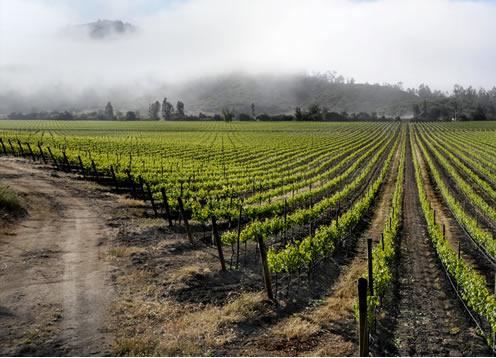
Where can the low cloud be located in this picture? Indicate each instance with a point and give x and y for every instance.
(438, 42)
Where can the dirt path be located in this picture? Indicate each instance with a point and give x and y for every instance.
(54, 285)
(423, 315)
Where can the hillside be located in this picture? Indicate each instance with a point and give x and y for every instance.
(271, 94)
(281, 94)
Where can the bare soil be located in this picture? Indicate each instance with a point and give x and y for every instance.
(54, 286)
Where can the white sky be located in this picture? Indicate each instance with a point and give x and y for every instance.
(437, 42)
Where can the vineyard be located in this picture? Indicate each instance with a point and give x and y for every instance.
(300, 212)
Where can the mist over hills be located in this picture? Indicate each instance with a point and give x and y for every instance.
(274, 94)
(271, 94)
(102, 29)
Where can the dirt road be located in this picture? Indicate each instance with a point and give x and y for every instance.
(55, 287)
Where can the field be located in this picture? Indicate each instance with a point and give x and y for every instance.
(249, 238)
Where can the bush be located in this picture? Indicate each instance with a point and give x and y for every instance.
(9, 200)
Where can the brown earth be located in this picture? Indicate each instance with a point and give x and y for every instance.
(54, 286)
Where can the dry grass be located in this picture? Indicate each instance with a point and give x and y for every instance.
(339, 348)
(187, 272)
(246, 307)
(131, 203)
(296, 327)
(124, 251)
(340, 303)
(167, 328)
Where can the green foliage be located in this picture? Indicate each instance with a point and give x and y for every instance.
(109, 111)
(9, 201)
(303, 253)
(472, 286)
(130, 116)
(305, 216)
(227, 115)
(167, 110)
(483, 237)
(154, 110)
(385, 252)
(180, 109)
(297, 114)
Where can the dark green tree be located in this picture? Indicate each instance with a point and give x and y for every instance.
(298, 116)
(167, 110)
(424, 109)
(109, 111)
(416, 110)
(227, 115)
(479, 114)
(253, 114)
(180, 109)
(154, 110)
(131, 116)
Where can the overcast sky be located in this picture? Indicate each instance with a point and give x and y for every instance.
(437, 42)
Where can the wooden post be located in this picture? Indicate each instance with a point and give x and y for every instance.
(53, 158)
(150, 196)
(265, 268)
(371, 278)
(66, 161)
(362, 312)
(82, 167)
(382, 240)
(183, 215)
(20, 148)
(31, 151)
(3, 146)
(142, 189)
(114, 178)
(444, 231)
(285, 221)
(94, 169)
(41, 153)
(239, 234)
(131, 183)
(166, 206)
(12, 147)
(215, 234)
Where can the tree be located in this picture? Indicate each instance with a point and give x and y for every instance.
(314, 108)
(227, 115)
(130, 116)
(154, 110)
(167, 110)
(180, 108)
(244, 117)
(424, 109)
(479, 114)
(416, 110)
(109, 111)
(253, 114)
(297, 114)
